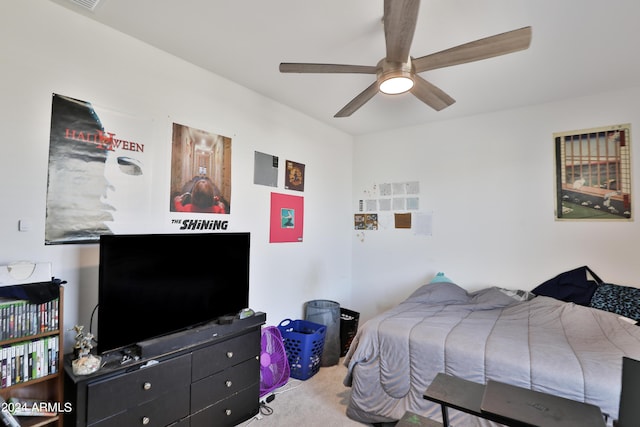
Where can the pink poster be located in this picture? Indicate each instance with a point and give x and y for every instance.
(287, 218)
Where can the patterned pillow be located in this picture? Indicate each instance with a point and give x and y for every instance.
(622, 300)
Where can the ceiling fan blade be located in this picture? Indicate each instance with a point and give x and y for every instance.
(430, 94)
(400, 18)
(358, 101)
(294, 67)
(500, 44)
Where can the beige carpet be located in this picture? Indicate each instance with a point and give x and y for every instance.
(318, 401)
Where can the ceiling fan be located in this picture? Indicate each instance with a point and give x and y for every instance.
(398, 72)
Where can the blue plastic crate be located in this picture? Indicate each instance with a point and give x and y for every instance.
(303, 341)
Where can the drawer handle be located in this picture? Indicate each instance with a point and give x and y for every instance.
(228, 383)
(228, 412)
(145, 420)
(229, 354)
(146, 386)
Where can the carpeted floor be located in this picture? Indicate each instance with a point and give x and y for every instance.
(318, 401)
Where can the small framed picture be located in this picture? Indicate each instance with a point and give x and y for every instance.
(294, 178)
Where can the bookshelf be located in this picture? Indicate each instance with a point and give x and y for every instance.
(31, 349)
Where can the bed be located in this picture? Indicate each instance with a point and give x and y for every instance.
(540, 343)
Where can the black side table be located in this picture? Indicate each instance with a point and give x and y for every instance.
(510, 405)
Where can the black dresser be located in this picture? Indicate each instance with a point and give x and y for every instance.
(212, 379)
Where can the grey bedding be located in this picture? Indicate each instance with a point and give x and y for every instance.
(543, 344)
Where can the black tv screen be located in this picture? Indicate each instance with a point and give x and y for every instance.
(155, 284)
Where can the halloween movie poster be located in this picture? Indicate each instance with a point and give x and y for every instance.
(99, 175)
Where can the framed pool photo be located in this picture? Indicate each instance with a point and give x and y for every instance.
(593, 174)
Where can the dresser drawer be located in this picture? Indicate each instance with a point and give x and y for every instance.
(231, 411)
(165, 410)
(116, 394)
(216, 387)
(224, 354)
(185, 422)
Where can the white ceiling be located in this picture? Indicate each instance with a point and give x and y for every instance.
(579, 47)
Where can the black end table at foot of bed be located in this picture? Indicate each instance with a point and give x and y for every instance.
(510, 405)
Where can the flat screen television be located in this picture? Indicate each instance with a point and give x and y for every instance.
(156, 284)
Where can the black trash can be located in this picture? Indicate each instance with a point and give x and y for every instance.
(326, 313)
(348, 328)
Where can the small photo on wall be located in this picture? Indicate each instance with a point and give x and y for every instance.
(294, 178)
(365, 221)
(287, 218)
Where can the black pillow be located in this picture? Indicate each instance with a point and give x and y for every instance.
(570, 286)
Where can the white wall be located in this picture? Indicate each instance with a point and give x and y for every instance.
(489, 181)
(48, 49)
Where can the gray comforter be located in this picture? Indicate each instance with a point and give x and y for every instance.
(543, 344)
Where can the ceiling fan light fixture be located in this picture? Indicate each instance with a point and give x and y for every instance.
(396, 85)
(394, 77)
(398, 72)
